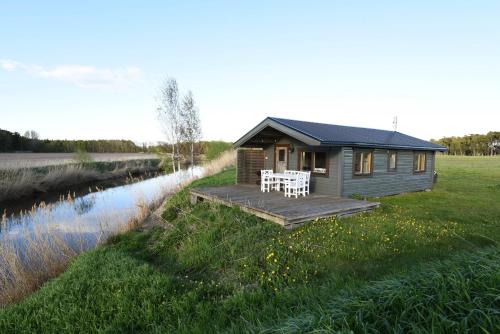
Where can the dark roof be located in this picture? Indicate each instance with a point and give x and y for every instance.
(330, 134)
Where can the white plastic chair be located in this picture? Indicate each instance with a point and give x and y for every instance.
(280, 182)
(296, 186)
(307, 182)
(266, 180)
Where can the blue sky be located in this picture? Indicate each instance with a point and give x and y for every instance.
(92, 69)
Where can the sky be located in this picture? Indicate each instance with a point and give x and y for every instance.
(92, 69)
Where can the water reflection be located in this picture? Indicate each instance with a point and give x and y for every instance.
(93, 216)
(84, 205)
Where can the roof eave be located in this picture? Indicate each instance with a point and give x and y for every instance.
(419, 148)
(280, 127)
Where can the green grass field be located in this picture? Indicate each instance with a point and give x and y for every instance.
(424, 262)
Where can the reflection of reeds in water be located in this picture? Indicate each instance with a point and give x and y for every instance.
(23, 180)
(40, 251)
(35, 253)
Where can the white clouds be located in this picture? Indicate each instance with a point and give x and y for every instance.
(80, 75)
(10, 65)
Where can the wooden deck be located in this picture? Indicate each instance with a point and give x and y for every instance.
(274, 206)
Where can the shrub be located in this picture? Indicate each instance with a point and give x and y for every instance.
(82, 157)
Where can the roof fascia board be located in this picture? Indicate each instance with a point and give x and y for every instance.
(421, 148)
(278, 126)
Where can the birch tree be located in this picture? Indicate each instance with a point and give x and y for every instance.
(191, 127)
(169, 114)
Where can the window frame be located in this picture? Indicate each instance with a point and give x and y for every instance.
(354, 151)
(415, 154)
(313, 158)
(389, 169)
(279, 155)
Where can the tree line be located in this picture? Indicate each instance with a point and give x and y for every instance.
(30, 142)
(474, 144)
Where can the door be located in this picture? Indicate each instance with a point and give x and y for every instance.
(280, 158)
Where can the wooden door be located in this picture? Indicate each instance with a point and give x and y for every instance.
(280, 158)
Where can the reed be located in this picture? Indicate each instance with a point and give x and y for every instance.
(23, 180)
(223, 161)
(32, 254)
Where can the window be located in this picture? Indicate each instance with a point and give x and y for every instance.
(392, 158)
(320, 162)
(419, 162)
(306, 161)
(281, 155)
(316, 162)
(363, 162)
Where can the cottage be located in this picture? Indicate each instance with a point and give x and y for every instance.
(337, 161)
(343, 160)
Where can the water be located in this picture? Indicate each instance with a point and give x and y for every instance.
(87, 219)
(14, 206)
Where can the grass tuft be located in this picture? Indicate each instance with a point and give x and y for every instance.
(457, 295)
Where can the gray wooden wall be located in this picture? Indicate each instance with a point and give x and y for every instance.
(341, 182)
(248, 166)
(382, 182)
(319, 185)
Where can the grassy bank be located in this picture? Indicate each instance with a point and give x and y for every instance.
(24, 181)
(31, 254)
(426, 262)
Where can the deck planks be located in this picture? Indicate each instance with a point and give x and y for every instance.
(274, 206)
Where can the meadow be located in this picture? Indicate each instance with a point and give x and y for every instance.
(424, 262)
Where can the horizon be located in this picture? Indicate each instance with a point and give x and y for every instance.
(90, 71)
(163, 142)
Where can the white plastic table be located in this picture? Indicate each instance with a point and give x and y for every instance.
(281, 177)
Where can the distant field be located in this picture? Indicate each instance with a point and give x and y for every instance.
(17, 160)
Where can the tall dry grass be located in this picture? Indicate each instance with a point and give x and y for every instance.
(30, 160)
(225, 160)
(24, 181)
(34, 255)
